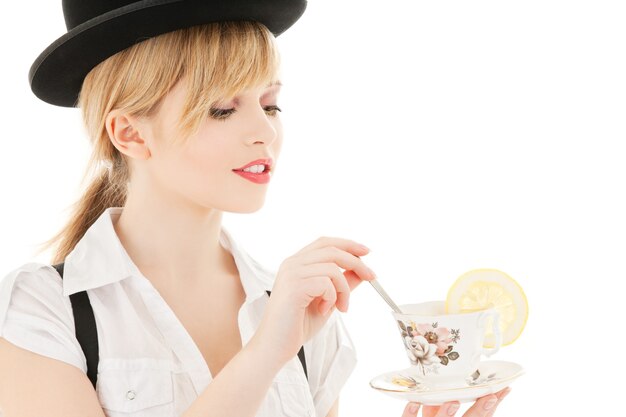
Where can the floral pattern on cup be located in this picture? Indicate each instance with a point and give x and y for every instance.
(428, 345)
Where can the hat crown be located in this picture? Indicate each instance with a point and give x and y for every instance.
(76, 12)
(98, 29)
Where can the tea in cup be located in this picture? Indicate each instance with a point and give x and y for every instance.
(445, 348)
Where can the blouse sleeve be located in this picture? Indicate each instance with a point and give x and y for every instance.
(35, 315)
(332, 359)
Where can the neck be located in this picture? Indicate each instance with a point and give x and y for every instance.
(174, 245)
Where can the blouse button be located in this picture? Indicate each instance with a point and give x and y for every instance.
(130, 395)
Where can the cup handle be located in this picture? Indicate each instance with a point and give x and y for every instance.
(496, 331)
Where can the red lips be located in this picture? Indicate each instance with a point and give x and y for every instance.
(266, 161)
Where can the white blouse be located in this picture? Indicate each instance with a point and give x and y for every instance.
(149, 364)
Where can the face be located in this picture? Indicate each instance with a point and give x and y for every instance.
(200, 172)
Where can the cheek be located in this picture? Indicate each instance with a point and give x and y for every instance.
(207, 154)
(278, 143)
(205, 165)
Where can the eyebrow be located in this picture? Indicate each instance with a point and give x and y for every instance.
(274, 83)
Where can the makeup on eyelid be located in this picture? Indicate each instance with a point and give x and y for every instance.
(235, 101)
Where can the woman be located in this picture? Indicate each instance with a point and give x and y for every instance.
(178, 99)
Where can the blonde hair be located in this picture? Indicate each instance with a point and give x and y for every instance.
(217, 59)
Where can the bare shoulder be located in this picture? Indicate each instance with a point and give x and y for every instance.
(32, 385)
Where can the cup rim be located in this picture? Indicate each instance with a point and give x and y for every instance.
(437, 302)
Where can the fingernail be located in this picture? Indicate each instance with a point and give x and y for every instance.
(491, 403)
(364, 247)
(413, 408)
(453, 408)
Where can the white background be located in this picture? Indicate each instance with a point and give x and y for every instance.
(446, 136)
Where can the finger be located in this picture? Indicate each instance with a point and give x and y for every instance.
(319, 294)
(482, 406)
(503, 392)
(430, 410)
(444, 410)
(319, 287)
(411, 409)
(500, 394)
(347, 245)
(333, 272)
(352, 279)
(340, 257)
(328, 298)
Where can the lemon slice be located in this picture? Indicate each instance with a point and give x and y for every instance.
(480, 289)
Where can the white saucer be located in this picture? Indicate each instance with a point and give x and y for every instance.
(494, 376)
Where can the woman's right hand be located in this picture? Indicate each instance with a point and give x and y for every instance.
(308, 286)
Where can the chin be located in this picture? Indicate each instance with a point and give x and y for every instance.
(249, 206)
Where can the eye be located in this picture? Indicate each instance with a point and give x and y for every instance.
(273, 110)
(223, 114)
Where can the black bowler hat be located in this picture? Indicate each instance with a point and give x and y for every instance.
(98, 29)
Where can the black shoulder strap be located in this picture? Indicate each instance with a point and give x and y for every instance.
(86, 331)
(87, 334)
(300, 353)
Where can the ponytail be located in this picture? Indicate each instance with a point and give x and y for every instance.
(108, 188)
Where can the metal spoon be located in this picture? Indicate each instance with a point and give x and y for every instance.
(385, 296)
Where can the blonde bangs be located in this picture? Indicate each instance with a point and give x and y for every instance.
(223, 60)
(218, 60)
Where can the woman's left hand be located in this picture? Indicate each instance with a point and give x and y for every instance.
(483, 407)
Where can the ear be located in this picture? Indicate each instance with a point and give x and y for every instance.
(125, 134)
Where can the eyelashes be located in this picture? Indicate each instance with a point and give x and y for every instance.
(223, 114)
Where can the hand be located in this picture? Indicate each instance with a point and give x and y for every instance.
(308, 286)
(444, 410)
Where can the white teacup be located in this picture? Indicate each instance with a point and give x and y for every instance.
(445, 348)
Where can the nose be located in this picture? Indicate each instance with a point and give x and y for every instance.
(262, 127)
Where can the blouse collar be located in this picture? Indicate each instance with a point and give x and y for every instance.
(99, 258)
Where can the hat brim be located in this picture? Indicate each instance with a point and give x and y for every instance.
(56, 76)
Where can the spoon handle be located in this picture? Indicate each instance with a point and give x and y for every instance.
(385, 296)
